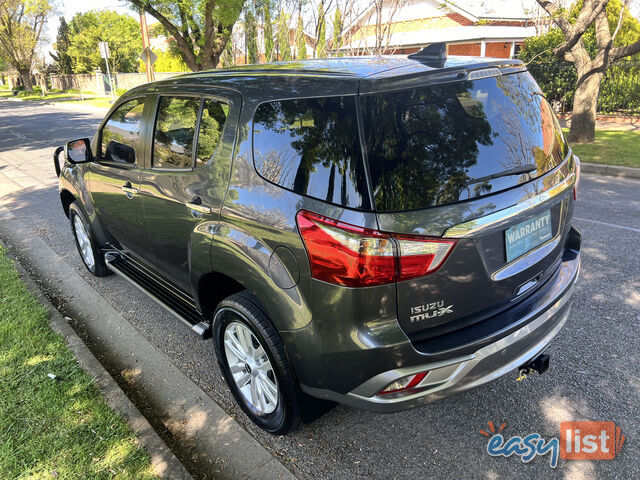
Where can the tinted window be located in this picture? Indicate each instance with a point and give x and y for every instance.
(214, 116)
(175, 128)
(121, 133)
(311, 146)
(436, 145)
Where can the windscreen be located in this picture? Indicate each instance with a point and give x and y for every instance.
(446, 143)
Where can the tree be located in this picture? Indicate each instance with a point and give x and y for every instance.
(301, 40)
(606, 18)
(268, 33)
(62, 57)
(201, 28)
(321, 35)
(167, 61)
(21, 23)
(227, 59)
(251, 35)
(337, 32)
(121, 32)
(284, 49)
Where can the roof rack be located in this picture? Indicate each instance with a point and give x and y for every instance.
(436, 52)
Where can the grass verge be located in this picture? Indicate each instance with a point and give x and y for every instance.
(612, 147)
(49, 428)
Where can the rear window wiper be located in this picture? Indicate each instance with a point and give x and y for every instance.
(522, 169)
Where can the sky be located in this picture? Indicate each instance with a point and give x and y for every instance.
(68, 8)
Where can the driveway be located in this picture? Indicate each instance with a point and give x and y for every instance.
(595, 367)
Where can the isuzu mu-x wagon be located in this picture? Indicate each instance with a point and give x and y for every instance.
(381, 232)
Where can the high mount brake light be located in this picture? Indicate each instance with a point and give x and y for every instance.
(353, 256)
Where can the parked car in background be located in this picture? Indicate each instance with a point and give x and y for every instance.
(380, 232)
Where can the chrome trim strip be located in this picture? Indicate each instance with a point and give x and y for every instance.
(470, 228)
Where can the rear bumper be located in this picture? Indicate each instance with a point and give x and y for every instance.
(471, 370)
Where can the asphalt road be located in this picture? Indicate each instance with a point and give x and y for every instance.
(594, 372)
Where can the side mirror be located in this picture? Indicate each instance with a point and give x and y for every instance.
(78, 151)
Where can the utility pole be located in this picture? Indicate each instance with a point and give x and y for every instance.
(146, 45)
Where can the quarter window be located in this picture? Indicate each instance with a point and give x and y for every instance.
(121, 133)
(175, 127)
(311, 146)
(214, 116)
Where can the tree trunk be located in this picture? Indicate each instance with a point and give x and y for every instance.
(25, 77)
(585, 102)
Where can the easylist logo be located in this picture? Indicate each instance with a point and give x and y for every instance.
(590, 440)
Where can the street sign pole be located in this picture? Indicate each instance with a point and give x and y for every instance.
(146, 45)
(104, 53)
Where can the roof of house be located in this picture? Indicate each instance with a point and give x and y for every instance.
(420, 38)
(494, 9)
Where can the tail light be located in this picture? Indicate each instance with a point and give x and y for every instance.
(353, 256)
(577, 182)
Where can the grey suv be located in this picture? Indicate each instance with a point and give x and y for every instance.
(379, 232)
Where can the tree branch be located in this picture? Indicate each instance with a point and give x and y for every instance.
(188, 54)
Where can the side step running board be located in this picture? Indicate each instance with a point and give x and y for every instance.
(176, 304)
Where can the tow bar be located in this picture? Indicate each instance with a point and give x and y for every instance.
(539, 364)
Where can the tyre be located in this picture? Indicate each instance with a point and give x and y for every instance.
(255, 366)
(88, 248)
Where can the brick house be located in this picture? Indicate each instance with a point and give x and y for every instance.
(486, 28)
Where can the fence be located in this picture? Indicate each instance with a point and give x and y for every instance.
(619, 90)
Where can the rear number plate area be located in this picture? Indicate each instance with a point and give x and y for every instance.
(527, 235)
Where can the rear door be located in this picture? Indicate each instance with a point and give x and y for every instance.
(185, 182)
(483, 162)
(114, 177)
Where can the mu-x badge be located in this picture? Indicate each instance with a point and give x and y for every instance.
(429, 310)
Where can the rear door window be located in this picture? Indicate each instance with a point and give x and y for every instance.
(311, 146)
(446, 143)
(212, 122)
(121, 134)
(174, 133)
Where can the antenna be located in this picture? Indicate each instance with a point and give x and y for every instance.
(430, 53)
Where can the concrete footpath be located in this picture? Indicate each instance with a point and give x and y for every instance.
(209, 441)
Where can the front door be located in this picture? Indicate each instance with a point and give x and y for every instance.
(185, 183)
(114, 179)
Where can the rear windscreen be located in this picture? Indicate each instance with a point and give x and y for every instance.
(450, 142)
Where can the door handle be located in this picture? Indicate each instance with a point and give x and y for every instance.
(196, 205)
(129, 190)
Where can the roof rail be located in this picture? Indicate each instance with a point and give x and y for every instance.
(430, 53)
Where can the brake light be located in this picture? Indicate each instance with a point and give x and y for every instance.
(353, 256)
(419, 256)
(577, 182)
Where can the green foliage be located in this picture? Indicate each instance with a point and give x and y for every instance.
(268, 32)
(167, 61)
(61, 57)
(321, 46)
(121, 32)
(53, 428)
(251, 30)
(227, 56)
(301, 40)
(337, 31)
(200, 28)
(21, 24)
(620, 88)
(283, 37)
